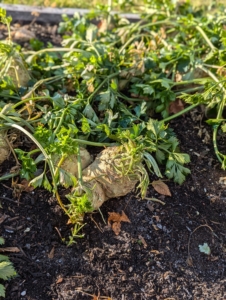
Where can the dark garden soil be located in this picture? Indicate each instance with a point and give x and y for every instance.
(156, 256)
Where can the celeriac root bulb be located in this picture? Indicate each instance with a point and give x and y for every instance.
(70, 164)
(4, 147)
(106, 176)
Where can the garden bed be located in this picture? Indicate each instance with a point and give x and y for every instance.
(158, 254)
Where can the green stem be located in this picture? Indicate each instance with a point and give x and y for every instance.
(205, 37)
(40, 82)
(217, 152)
(79, 167)
(102, 83)
(180, 113)
(195, 89)
(8, 176)
(33, 99)
(30, 58)
(131, 39)
(84, 142)
(59, 124)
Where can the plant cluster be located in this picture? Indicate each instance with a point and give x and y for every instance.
(112, 83)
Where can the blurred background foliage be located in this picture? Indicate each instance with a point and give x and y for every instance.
(121, 5)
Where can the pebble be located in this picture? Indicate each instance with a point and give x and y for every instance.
(23, 293)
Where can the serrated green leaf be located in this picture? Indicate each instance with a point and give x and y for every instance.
(37, 181)
(85, 126)
(2, 291)
(6, 270)
(3, 258)
(205, 249)
(90, 113)
(66, 179)
(2, 241)
(47, 184)
(176, 171)
(160, 156)
(105, 98)
(181, 158)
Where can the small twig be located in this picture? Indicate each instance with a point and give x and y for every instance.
(59, 233)
(155, 200)
(96, 224)
(102, 216)
(8, 199)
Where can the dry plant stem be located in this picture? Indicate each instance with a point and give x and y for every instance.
(189, 241)
(99, 297)
(11, 149)
(57, 230)
(155, 200)
(96, 224)
(102, 216)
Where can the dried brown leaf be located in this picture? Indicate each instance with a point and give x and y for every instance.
(116, 218)
(161, 188)
(155, 227)
(189, 261)
(124, 218)
(116, 227)
(143, 241)
(10, 249)
(51, 253)
(156, 252)
(176, 106)
(3, 218)
(59, 280)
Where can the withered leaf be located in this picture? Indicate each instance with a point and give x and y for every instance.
(116, 218)
(10, 249)
(176, 106)
(143, 241)
(3, 218)
(189, 261)
(116, 227)
(161, 188)
(51, 253)
(59, 280)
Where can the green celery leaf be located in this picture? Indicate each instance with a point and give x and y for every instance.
(66, 179)
(151, 163)
(47, 184)
(90, 113)
(160, 156)
(85, 126)
(105, 98)
(3, 258)
(6, 270)
(37, 181)
(176, 171)
(2, 241)
(2, 291)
